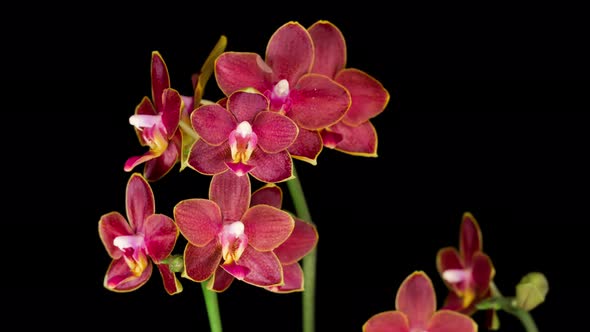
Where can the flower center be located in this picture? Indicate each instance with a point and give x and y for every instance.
(242, 141)
(152, 131)
(233, 241)
(134, 252)
(279, 97)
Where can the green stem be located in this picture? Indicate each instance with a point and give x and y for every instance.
(212, 308)
(186, 127)
(309, 261)
(524, 316)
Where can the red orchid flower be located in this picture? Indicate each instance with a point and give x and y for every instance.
(313, 101)
(226, 231)
(245, 137)
(156, 123)
(467, 272)
(134, 245)
(353, 134)
(415, 305)
(301, 241)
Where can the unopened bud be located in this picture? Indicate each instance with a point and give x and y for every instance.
(531, 290)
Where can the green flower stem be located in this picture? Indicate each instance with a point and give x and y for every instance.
(212, 308)
(188, 129)
(524, 316)
(309, 261)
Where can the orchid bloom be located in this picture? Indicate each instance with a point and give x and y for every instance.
(415, 305)
(225, 231)
(156, 122)
(134, 245)
(354, 134)
(243, 137)
(467, 272)
(313, 101)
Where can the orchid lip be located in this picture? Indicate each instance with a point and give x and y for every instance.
(141, 121)
(456, 275)
(233, 241)
(281, 90)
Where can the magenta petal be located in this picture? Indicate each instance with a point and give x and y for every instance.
(359, 141)
(238, 70)
(144, 107)
(199, 220)
(301, 241)
(231, 193)
(239, 169)
(292, 280)
(156, 168)
(136, 160)
(388, 321)
(453, 302)
(275, 131)
(318, 102)
(369, 97)
(110, 226)
(448, 258)
(330, 137)
(171, 283)
(160, 236)
(171, 108)
(160, 79)
(271, 167)
(264, 268)
(451, 321)
(289, 52)
(220, 281)
(120, 279)
(471, 238)
(235, 270)
(269, 194)
(330, 48)
(244, 105)
(482, 271)
(208, 159)
(140, 201)
(213, 123)
(267, 227)
(416, 298)
(201, 262)
(307, 146)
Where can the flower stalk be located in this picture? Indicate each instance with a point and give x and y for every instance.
(212, 308)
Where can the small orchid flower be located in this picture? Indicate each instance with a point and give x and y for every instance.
(134, 245)
(353, 134)
(467, 272)
(156, 122)
(415, 311)
(225, 231)
(313, 101)
(245, 137)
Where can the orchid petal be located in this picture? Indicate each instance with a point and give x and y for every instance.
(448, 259)
(120, 279)
(171, 107)
(292, 280)
(156, 168)
(271, 167)
(239, 70)
(269, 194)
(220, 281)
(318, 102)
(208, 159)
(140, 201)
(358, 141)
(275, 131)
(213, 123)
(199, 220)
(482, 272)
(160, 236)
(417, 299)
(301, 241)
(145, 107)
(470, 239)
(246, 104)
(388, 321)
(231, 193)
(451, 321)
(160, 79)
(307, 146)
(264, 268)
(330, 48)
(201, 262)
(369, 97)
(136, 160)
(289, 52)
(267, 227)
(110, 226)
(171, 283)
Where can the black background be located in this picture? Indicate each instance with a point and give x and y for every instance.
(487, 114)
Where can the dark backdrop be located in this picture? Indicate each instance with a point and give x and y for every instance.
(487, 115)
